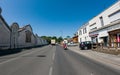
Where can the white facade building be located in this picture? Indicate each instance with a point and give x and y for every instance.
(101, 25)
(13, 37)
(26, 37)
(98, 28)
(83, 33)
(5, 33)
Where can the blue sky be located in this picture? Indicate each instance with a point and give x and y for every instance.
(52, 17)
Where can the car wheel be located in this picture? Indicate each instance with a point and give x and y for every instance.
(85, 48)
(81, 48)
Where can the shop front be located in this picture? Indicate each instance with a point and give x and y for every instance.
(114, 38)
(103, 38)
(94, 38)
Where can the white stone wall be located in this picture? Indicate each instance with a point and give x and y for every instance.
(33, 40)
(22, 38)
(41, 41)
(4, 35)
(38, 40)
(14, 35)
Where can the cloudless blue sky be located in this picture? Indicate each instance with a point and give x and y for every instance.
(52, 17)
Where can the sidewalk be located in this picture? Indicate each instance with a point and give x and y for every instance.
(103, 58)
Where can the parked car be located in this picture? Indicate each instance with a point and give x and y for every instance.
(85, 45)
(72, 44)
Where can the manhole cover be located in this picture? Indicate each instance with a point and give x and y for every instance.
(41, 56)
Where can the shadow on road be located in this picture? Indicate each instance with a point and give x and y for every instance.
(14, 51)
(9, 52)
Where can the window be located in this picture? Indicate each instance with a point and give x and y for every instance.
(80, 40)
(93, 28)
(85, 38)
(114, 16)
(116, 12)
(28, 36)
(84, 30)
(93, 24)
(101, 20)
(80, 32)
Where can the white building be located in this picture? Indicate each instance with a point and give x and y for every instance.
(83, 33)
(100, 28)
(23, 37)
(14, 35)
(26, 37)
(40, 41)
(107, 21)
(5, 33)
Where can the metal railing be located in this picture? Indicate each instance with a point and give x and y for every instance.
(106, 45)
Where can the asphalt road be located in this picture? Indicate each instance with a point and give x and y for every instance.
(51, 60)
(67, 62)
(36, 61)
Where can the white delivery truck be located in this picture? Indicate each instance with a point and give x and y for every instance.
(53, 42)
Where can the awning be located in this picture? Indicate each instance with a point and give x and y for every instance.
(114, 31)
(103, 34)
(93, 35)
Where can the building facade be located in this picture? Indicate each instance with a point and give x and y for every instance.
(75, 39)
(103, 28)
(5, 33)
(13, 37)
(26, 37)
(83, 33)
(105, 24)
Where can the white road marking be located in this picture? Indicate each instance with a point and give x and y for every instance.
(51, 68)
(9, 60)
(53, 57)
(50, 71)
(92, 73)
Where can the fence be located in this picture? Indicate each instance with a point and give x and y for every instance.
(111, 48)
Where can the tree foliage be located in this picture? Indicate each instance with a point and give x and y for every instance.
(48, 38)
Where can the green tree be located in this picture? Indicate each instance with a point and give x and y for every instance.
(68, 37)
(59, 39)
(48, 38)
